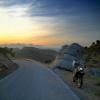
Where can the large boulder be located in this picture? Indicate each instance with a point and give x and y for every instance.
(67, 54)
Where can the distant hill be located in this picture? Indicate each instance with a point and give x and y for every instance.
(41, 55)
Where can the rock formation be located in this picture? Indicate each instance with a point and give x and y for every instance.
(67, 54)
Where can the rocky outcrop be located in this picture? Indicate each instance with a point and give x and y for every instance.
(67, 54)
(6, 66)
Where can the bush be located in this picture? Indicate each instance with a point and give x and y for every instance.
(7, 52)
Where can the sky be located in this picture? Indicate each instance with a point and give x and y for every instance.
(49, 22)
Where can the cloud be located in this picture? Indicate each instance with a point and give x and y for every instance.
(56, 18)
(51, 8)
(15, 2)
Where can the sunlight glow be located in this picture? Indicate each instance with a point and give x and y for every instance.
(17, 27)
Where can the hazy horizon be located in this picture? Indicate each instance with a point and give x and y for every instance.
(50, 23)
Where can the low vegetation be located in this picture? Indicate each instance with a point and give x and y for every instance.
(92, 54)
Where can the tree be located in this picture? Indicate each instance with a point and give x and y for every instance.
(97, 42)
(93, 44)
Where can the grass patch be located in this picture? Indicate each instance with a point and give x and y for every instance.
(97, 80)
(97, 93)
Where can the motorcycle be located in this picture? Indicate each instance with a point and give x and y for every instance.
(78, 77)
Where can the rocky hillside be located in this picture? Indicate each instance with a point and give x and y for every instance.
(92, 54)
(6, 64)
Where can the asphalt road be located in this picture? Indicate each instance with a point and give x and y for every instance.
(33, 81)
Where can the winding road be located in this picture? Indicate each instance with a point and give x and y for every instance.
(33, 81)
